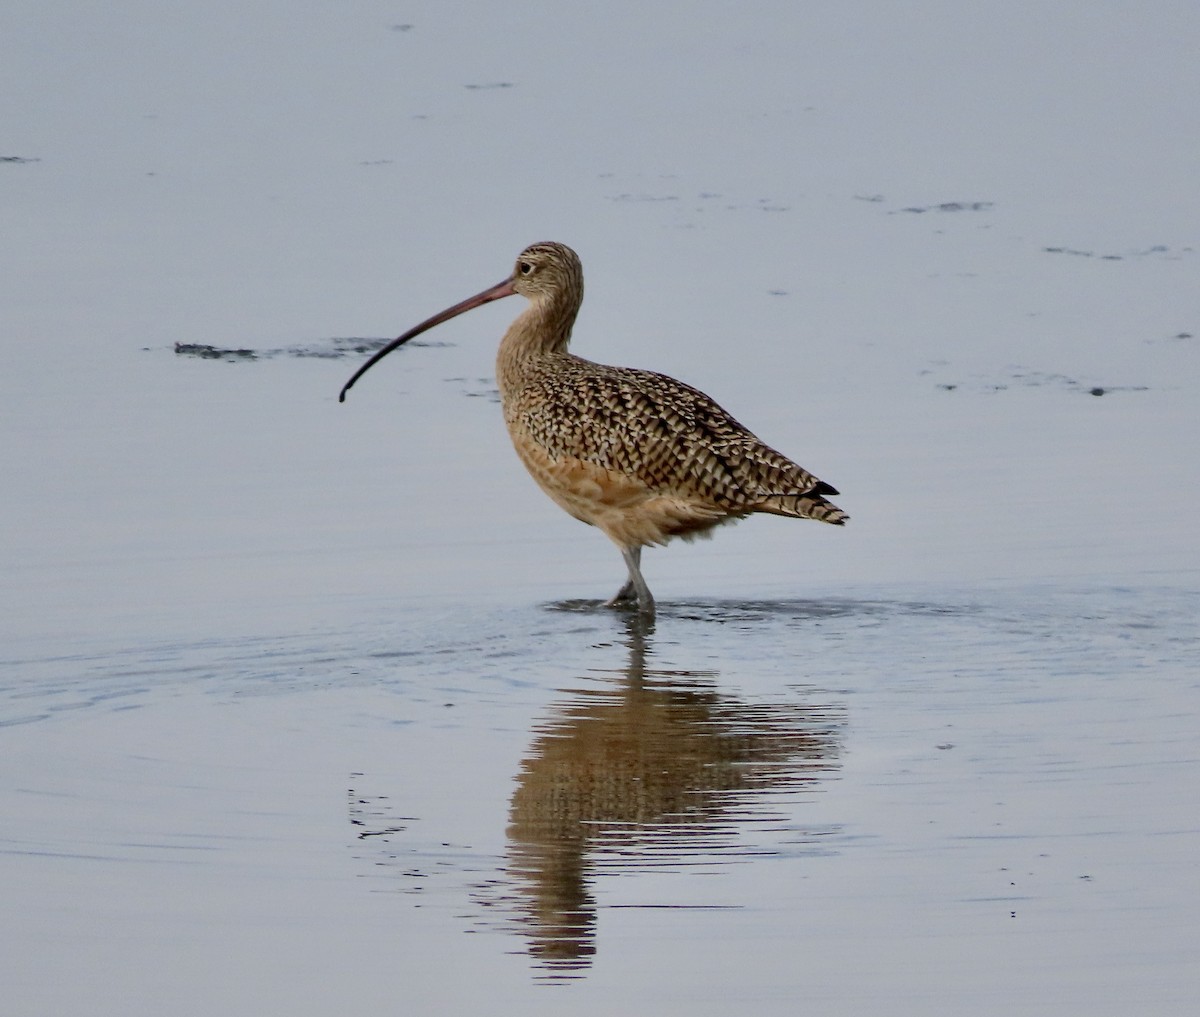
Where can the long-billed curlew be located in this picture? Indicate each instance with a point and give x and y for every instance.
(640, 455)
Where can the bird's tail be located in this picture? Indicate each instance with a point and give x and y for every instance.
(810, 504)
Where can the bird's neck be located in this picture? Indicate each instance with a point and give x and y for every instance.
(543, 329)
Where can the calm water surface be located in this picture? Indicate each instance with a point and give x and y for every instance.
(775, 791)
(308, 708)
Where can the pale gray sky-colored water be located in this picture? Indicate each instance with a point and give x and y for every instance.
(903, 243)
(743, 190)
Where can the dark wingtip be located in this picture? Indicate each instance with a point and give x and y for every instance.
(342, 396)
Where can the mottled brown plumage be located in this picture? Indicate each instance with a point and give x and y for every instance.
(639, 455)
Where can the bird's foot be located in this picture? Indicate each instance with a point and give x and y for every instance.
(625, 594)
(635, 589)
(627, 599)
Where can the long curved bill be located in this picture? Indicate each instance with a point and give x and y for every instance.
(501, 289)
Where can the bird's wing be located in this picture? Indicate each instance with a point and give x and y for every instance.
(670, 436)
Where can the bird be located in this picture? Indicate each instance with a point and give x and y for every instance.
(639, 455)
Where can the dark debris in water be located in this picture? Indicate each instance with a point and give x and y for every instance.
(950, 206)
(1022, 377)
(327, 349)
(18, 160)
(476, 388)
(627, 196)
(205, 352)
(1156, 250)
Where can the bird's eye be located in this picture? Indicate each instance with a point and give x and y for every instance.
(525, 267)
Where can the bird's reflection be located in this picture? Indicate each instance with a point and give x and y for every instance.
(646, 768)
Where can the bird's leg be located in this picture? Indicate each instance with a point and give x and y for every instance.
(628, 591)
(635, 585)
(623, 594)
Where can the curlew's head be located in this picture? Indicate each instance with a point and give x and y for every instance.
(548, 271)
(545, 273)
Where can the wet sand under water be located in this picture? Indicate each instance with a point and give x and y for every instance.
(874, 804)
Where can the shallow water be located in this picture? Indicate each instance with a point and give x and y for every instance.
(838, 799)
(308, 707)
